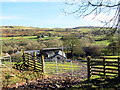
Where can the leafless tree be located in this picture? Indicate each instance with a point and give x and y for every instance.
(83, 8)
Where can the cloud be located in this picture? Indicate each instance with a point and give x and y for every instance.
(32, 0)
(10, 18)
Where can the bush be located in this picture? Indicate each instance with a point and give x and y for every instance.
(93, 50)
(17, 58)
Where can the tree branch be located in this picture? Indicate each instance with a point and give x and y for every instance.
(100, 5)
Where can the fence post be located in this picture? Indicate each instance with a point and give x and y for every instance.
(23, 55)
(104, 66)
(28, 60)
(23, 59)
(34, 60)
(118, 67)
(88, 68)
(10, 63)
(43, 63)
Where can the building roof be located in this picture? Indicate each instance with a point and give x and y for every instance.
(29, 51)
(52, 49)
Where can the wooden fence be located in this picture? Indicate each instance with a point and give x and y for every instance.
(31, 62)
(103, 66)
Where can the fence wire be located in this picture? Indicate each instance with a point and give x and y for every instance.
(72, 68)
(5, 62)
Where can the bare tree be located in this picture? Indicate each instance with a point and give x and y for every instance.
(83, 8)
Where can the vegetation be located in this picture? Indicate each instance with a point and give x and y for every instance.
(53, 67)
(78, 40)
(11, 77)
(99, 83)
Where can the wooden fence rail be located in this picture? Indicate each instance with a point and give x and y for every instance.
(104, 66)
(32, 62)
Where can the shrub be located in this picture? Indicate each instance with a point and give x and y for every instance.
(16, 58)
(93, 50)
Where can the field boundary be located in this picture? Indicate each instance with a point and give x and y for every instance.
(31, 62)
(104, 66)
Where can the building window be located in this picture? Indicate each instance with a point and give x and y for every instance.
(58, 57)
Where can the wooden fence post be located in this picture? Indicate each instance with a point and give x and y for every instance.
(23, 59)
(23, 54)
(88, 68)
(118, 67)
(104, 67)
(28, 60)
(34, 60)
(42, 59)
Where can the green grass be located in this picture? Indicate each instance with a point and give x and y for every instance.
(20, 37)
(99, 37)
(8, 62)
(111, 56)
(25, 38)
(17, 27)
(104, 42)
(98, 84)
(84, 30)
(14, 76)
(61, 67)
(48, 38)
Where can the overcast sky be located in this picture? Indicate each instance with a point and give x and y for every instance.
(43, 14)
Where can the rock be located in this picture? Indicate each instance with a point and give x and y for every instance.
(58, 86)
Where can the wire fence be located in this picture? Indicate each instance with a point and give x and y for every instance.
(54, 66)
(72, 68)
(5, 62)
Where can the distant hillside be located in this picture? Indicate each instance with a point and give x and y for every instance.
(16, 27)
(90, 27)
(24, 27)
(83, 27)
(9, 31)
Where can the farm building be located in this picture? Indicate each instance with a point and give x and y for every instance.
(54, 55)
(49, 53)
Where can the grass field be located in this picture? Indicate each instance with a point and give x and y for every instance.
(24, 38)
(98, 84)
(112, 56)
(104, 42)
(52, 67)
(48, 38)
(21, 37)
(99, 37)
(84, 30)
(17, 27)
